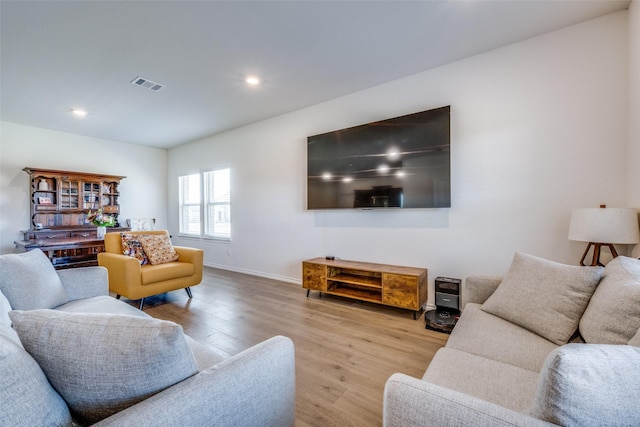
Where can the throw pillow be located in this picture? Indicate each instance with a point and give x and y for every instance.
(613, 314)
(158, 248)
(103, 363)
(545, 297)
(132, 247)
(590, 385)
(29, 281)
(26, 397)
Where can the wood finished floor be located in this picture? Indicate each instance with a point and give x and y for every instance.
(345, 350)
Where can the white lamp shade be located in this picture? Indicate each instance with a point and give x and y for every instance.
(605, 225)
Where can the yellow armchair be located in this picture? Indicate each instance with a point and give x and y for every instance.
(134, 281)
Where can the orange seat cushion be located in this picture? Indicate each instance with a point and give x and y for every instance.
(167, 271)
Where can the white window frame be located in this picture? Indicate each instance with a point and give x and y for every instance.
(209, 203)
(185, 206)
(217, 203)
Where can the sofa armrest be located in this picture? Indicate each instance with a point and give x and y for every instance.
(192, 255)
(253, 388)
(84, 282)
(477, 289)
(410, 402)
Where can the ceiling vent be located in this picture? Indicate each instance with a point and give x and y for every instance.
(147, 84)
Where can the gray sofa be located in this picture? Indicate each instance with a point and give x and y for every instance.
(548, 344)
(71, 354)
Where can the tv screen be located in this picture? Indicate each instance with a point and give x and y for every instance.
(403, 162)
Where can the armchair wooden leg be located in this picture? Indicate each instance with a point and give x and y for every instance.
(188, 292)
(117, 296)
(141, 303)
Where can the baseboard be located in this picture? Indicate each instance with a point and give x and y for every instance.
(256, 273)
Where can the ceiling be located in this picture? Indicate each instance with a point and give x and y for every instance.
(57, 56)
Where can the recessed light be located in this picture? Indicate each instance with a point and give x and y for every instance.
(252, 80)
(393, 154)
(79, 113)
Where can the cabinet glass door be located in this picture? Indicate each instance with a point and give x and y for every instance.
(91, 195)
(69, 190)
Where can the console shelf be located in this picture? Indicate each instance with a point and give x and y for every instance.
(403, 287)
(371, 282)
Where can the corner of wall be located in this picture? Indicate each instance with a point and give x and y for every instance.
(633, 143)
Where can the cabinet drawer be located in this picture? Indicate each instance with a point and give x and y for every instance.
(84, 233)
(43, 235)
(111, 209)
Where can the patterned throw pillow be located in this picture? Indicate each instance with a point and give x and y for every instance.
(158, 248)
(132, 247)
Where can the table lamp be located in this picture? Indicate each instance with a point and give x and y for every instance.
(603, 227)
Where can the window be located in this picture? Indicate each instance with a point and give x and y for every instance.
(217, 208)
(205, 210)
(189, 195)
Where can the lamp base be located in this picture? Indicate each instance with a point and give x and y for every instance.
(596, 253)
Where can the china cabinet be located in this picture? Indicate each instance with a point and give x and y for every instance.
(58, 205)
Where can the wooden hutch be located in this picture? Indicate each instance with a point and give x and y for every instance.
(59, 202)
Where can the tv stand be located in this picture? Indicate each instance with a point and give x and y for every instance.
(392, 285)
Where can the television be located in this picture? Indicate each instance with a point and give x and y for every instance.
(402, 162)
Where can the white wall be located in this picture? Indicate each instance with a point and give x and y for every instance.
(143, 191)
(538, 128)
(633, 158)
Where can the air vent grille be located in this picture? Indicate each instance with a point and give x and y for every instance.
(147, 84)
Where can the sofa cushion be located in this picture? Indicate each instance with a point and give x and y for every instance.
(483, 334)
(101, 304)
(543, 296)
(26, 397)
(102, 363)
(158, 248)
(590, 384)
(205, 355)
(613, 314)
(10, 334)
(5, 308)
(496, 382)
(132, 247)
(29, 281)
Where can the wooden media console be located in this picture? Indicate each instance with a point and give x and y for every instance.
(403, 287)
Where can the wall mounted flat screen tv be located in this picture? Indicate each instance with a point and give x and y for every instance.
(403, 162)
